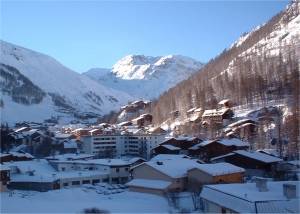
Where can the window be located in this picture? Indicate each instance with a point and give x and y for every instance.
(105, 180)
(86, 182)
(126, 169)
(117, 170)
(66, 184)
(63, 169)
(96, 181)
(75, 182)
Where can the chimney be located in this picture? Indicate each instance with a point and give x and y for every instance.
(261, 184)
(159, 163)
(290, 191)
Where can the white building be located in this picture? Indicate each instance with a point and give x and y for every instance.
(119, 145)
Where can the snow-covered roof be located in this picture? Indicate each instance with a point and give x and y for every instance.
(44, 172)
(70, 156)
(4, 168)
(216, 169)
(4, 155)
(215, 112)
(295, 162)
(105, 162)
(62, 135)
(162, 157)
(240, 122)
(227, 142)
(269, 151)
(246, 198)
(233, 142)
(258, 156)
(190, 110)
(125, 123)
(221, 156)
(174, 167)
(222, 102)
(22, 129)
(147, 183)
(170, 147)
(21, 154)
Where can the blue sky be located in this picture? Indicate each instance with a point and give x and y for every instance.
(86, 34)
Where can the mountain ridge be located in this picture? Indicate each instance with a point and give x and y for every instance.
(138, 75)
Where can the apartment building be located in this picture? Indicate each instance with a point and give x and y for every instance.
(109, 146)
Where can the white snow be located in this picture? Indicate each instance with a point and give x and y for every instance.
(170, 147)
(241, 197)
(216, 169)
(258, 156)
(52, 77)
(138, 75)
(147, 183)
(175, 167)
(75, 200)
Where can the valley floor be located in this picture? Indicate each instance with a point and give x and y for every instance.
(75, 200)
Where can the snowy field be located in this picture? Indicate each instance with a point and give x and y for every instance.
(75, 200)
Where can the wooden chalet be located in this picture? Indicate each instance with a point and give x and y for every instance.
(213, 148)
(217, 115)
(255, 163)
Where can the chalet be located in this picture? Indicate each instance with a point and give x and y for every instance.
(157, 130)
(213, 148)
(70, 146)
(190, 112)
(81, 132)
(135, 106)
(166, 149)
(217, 115)
(126, 123)
(259, 197)
(142, 120)
(255, 163)
(183, 143)
(226, 103)
(213, 174)
(15, 156)
(244, 129)
(4, 178)
(95, 132)
(163, 174)
(60, 137)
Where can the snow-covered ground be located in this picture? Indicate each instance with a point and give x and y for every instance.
(75, 200)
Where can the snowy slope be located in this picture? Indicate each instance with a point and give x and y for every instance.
(285, 33)
(65, 91)
(139, 75)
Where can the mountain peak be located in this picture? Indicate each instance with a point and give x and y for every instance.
(144, 67)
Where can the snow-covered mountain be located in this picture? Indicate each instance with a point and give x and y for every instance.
(35, 87)
(146, 77)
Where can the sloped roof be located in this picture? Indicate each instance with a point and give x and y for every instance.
(175, 168)
(147, 183)
(258, 156)
(246, 198)
(216, 169)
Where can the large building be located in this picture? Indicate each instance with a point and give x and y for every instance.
(110, 146)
